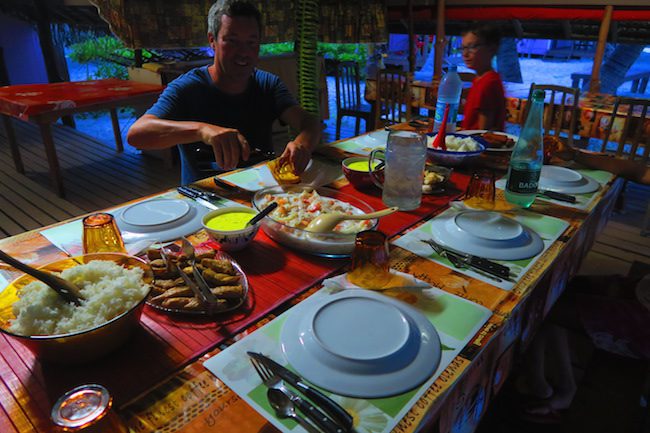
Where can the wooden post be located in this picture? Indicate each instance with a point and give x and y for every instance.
(441, 41)
(411, 36)
(594, 85)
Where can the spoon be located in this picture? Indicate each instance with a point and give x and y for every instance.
(257, 218)
(327, 221)
(284, 408)
(68, 291)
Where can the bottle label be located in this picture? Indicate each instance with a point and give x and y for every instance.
(440, 112)
(523, 181)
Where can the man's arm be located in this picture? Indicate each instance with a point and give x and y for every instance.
(151, 132)
(299, 150)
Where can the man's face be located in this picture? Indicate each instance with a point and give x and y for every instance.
(476, 54)
(237, 46)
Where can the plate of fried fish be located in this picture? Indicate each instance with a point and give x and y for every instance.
(171, 294)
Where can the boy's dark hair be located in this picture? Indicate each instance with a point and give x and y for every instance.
(488, 33)
(232, 8)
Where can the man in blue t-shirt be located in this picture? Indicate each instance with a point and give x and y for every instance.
(229, 105)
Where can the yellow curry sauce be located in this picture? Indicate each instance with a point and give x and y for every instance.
(361, 165)
(230, 221)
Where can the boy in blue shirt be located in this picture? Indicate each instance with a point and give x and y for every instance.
(229, 105)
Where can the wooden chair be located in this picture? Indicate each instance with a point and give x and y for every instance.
(393, 97)
(348, 97)
(561, 108)
(633, 136)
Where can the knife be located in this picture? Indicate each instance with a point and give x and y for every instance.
(485, 265)
(197, 195)
(557, 196)
(332, 408)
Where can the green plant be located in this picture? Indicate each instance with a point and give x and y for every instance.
(276, 49)
(344, 52)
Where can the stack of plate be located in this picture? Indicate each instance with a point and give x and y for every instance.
(486, 234)
(362, 344)
(164, 219)
(565, 180)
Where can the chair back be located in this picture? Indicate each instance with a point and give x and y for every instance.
(348, 87)
(560, 111)
(393, 97)
(634, 137)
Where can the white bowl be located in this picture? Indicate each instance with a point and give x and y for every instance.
(330, 244)
(231, 240)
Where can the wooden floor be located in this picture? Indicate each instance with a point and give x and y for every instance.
(95, 177)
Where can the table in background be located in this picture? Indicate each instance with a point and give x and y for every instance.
(43, 104)
(193, 400)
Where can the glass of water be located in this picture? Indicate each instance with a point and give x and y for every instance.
(405, 155)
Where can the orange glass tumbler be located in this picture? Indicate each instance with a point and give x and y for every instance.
(101, 234)
(370, 260)
(86, 409)
(481, 191)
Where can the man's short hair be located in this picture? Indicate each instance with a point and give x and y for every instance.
(232, 8)
(488, 33)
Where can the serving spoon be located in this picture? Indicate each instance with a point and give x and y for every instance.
(68, 291)
(327, 221)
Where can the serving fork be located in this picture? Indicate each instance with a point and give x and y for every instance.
(273, 381)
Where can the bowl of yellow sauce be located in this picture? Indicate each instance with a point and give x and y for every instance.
(357, 171)
(228, 227)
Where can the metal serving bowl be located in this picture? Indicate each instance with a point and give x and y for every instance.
(82, 346)
(331, 244)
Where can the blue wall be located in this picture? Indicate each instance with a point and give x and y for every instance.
(22, 52)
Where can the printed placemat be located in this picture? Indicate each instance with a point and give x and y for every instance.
(547, 227)
(456, 319)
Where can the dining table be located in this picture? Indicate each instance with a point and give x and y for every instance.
(44, 103)
(594, 109)
(164, 379)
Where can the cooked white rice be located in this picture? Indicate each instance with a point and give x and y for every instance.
(108, 289)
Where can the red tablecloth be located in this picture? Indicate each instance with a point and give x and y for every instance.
(166, 343)
(27, 100)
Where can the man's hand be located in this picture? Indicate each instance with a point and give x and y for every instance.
(563, 150)
(299, 154)
(228, 145)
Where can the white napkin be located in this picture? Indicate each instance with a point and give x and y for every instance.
(399, 280)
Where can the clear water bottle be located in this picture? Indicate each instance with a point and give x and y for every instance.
(527, 157)
(448, 94)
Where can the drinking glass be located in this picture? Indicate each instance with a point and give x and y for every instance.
(405, 155)
(87, 409)
(101, 234)
(481, 191)
(370, 267)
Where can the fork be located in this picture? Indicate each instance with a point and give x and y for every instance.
(456, 260)
(272, 381)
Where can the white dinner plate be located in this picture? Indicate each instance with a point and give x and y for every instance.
(362, 344)
(486, 234)
(258, 177)
(374, 139)
(514, 138)
(164, 219)
(561, 179)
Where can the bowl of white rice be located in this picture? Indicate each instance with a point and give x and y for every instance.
(461, 149)
(114, 287)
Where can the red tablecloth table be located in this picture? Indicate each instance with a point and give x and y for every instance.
(43, 104)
